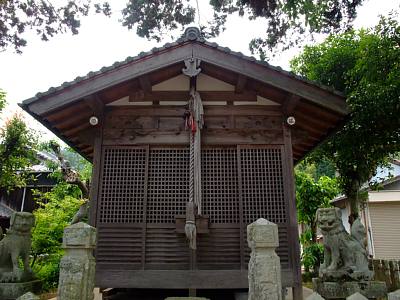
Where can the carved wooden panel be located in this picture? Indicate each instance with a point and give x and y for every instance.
(122, 185)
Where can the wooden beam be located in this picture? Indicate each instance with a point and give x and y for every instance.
(290, 104)
(314, 120)
(246, 96)
(73, 121)
(240, 84)
(136, 96)
(166, 111)
(65, 113)
(73, 131)
(95, 104)
(145, 84)
(311, 109)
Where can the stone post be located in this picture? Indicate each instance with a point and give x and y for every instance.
(394, 295)
(264, 265)
(77, 267)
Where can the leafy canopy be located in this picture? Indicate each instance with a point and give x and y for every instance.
(365, 66)
(56, 209)
(285, 21)
(17, 154)
(312, 194)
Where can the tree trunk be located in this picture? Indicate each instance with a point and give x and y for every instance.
(354, 199)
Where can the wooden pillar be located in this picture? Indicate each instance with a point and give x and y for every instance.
(294, 244)
(96, 171)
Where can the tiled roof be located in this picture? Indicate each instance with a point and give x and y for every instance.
(192, 34)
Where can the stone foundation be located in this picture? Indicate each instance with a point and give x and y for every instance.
(342, 290)
(11, 291)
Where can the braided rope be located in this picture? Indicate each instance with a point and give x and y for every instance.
(191, 167)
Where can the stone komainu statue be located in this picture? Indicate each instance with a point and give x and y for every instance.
(16, 244)
(345, 255)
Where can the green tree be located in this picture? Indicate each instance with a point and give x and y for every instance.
(285, 21)
(55, 212)
(17, 154)
(365, 66)
(312, 194)
(57, 209)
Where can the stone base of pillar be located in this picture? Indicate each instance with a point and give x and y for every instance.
(11, 291)
(341, 290)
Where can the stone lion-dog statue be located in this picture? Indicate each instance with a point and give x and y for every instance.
(16, 244)
(345, 255)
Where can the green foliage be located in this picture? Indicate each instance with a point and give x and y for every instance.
(17, 154)
(364, 65)
(78, 163)
(285, 21)
(312, 254)
(2, 99)
(311, 195)
(153, 17)
(56, 211)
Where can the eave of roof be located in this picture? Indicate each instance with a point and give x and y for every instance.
(188, 43)
(383, 184)
(191, 35)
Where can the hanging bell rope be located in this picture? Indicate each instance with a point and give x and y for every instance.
(194, 123)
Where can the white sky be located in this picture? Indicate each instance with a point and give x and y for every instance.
(102, 41)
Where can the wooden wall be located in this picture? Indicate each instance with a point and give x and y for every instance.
(142, 187)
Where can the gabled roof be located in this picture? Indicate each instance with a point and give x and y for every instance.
(64, 110)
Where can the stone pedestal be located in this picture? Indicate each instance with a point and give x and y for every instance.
(394, 295)
(29, 296)
(11, 291)
(341, 290)
(77, 267)
(264, 265)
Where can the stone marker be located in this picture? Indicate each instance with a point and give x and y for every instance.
(314, 296)
(264, 264)
(28, 296)
(357, 296)
(394, 295)
(77, 267)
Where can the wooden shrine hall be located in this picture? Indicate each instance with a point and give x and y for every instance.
(190, 143)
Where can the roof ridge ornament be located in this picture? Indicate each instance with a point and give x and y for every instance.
(192, 34)
(192, 65)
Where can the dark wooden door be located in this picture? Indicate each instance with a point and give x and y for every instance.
(143, 189)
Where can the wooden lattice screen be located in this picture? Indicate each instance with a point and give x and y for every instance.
(143, 189)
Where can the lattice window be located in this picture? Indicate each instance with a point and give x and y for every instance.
(168, 189)
(220, 185)
(262, 185)
(123, 180)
